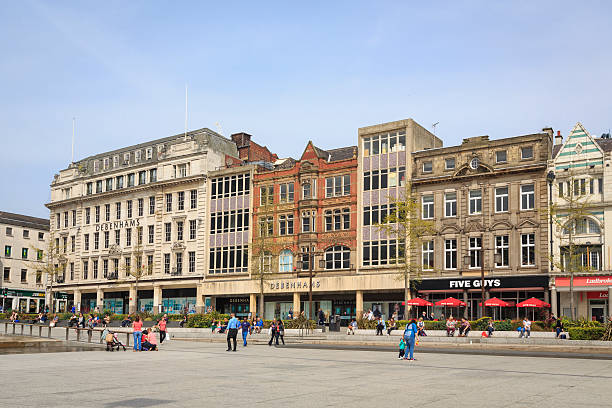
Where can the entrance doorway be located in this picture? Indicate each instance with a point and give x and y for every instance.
(597, 309)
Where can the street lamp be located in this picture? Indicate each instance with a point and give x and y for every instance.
(550, 177)
(300, 264)
(467, 261)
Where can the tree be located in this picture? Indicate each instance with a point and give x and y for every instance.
(138, 270)
(50, 265)
(404, 223)
(570, 216)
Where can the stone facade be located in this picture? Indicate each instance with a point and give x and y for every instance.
(23, 240)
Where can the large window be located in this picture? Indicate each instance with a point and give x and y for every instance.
(266, 195)
(229, 221)
(501, 199)
(377, 214)
(502, 247)
(285, 261)
(181, 200)
(286, 193)
(151, 205)
(475, 201)
(428, 207)
(230, 186)
(337, 219)
(118, 210)
(337, 257)
(450, 204)
(527, 197)
(309, 189)
(266, 226)
(527, 249)
(384, 143)
(382, 252)
(308, 221)
(475, 252)
(428, 255)
(338, 186)
(285, 224)
(168, 202)
(450, 254)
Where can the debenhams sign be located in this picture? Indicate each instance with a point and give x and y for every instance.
(107, 226)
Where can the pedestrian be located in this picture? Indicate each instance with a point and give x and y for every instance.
(379, 327)
(321, 317)
(272, 332)
(232, 331)
(162, 328)
(526, 328)
(410, 336)
(246, 327)
(490, 328)
(558, 327)
(137, 326)
(280, 331)
(402, 348)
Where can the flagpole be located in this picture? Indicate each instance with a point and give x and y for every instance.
(73, 127)
(186, 112)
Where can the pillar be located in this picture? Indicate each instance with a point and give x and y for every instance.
(253, 304)
(465, 299)
(133, 307)
(359, 303)
(553, 301)
(77, 300)
(609, 301)
(199, 300)
(157, 299)
(296, 304)
(100, 299)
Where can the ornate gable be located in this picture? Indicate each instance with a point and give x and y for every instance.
(579, 151)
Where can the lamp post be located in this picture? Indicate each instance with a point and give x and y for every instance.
(467, 260)
(300, 263)
(550, 177)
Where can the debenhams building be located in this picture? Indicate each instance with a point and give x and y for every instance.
(140, 209)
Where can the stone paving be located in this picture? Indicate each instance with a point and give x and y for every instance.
(189, 374)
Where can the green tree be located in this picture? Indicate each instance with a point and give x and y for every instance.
(135, 269)
(405, 224)
(570, 215)
(50, 266)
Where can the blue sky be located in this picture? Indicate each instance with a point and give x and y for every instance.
(287, 74)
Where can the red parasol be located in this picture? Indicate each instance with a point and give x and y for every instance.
(418, 302)
(451, 302)
(495, 302)
(533, 302)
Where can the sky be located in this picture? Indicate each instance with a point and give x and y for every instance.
(287, 73)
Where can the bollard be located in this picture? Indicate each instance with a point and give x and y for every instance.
(22, 328)
(127, 342)
(39, 331)
(49, 332)
(89, 336)
(78, 334)
(31, 328)
(13, 328)
(67, 333)
(6, 327)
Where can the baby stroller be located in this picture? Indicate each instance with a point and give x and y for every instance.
(112, 341)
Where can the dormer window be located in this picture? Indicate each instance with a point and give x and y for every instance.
(449, 164)
(527, 152)
(427, 167)
(115, 161)
(149, 153)
(106, 163)
(96, 166)
(137, 155)
(126, 158)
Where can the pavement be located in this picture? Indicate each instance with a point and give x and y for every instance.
(187, 374)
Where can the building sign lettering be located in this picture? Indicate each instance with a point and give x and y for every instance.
(289, 285)
(107, 226)
(466, 284)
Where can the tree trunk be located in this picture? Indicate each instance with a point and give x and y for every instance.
(571, 293)
(406, 295)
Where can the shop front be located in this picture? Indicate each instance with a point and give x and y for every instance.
(117, 302)
(176, 301)
(25, 301)
(235, 304)
(591, 296)
(512, 289)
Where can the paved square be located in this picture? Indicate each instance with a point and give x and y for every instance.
(190, 374)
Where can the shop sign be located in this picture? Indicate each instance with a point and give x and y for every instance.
(294, 284)
(239, 300)
(107, 226)
(585, 281)
(60, 295)
(597, 295)
(23, 293)
(489, 282)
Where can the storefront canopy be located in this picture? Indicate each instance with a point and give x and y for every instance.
(494, 302)
(533, 302)
(418, 302)
(451, 302)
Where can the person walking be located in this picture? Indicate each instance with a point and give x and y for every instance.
(402, 348)
(280, 331)
(410, 336)
(232, 331)
(162, 328)
(246, 328)
(137, 327)
(272, 332)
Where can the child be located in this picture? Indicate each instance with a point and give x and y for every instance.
(402, 348)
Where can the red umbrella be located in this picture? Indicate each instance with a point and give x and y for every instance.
(495, 302)
(451, 301)
(418, 302)
(533, 302)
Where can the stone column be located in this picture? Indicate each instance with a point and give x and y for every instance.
(359, 303)
(253, 304)
(100, 299)
(199, 299)
(77, 300)
(133, 307)
(465, 299)
(296, 304)
(553, 301)
(157, 299)
(609, 301)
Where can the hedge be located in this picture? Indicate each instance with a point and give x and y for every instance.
(586, 333)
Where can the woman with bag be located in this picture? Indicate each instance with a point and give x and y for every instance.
(272, 332)
(280, 331)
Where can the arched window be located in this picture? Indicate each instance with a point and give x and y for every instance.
(583, 226)
(338, 257)
(285, 261)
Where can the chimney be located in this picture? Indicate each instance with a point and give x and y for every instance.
(558, 138)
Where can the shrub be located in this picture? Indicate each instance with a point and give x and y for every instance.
(204, 320)
(586, 333)
(480, 324)
(503, 325)
(366, 324)
(299, 323)
(435, 325)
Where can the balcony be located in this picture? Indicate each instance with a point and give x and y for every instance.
(176, 272)
(112, 276)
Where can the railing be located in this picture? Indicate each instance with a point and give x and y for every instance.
(82, 334)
